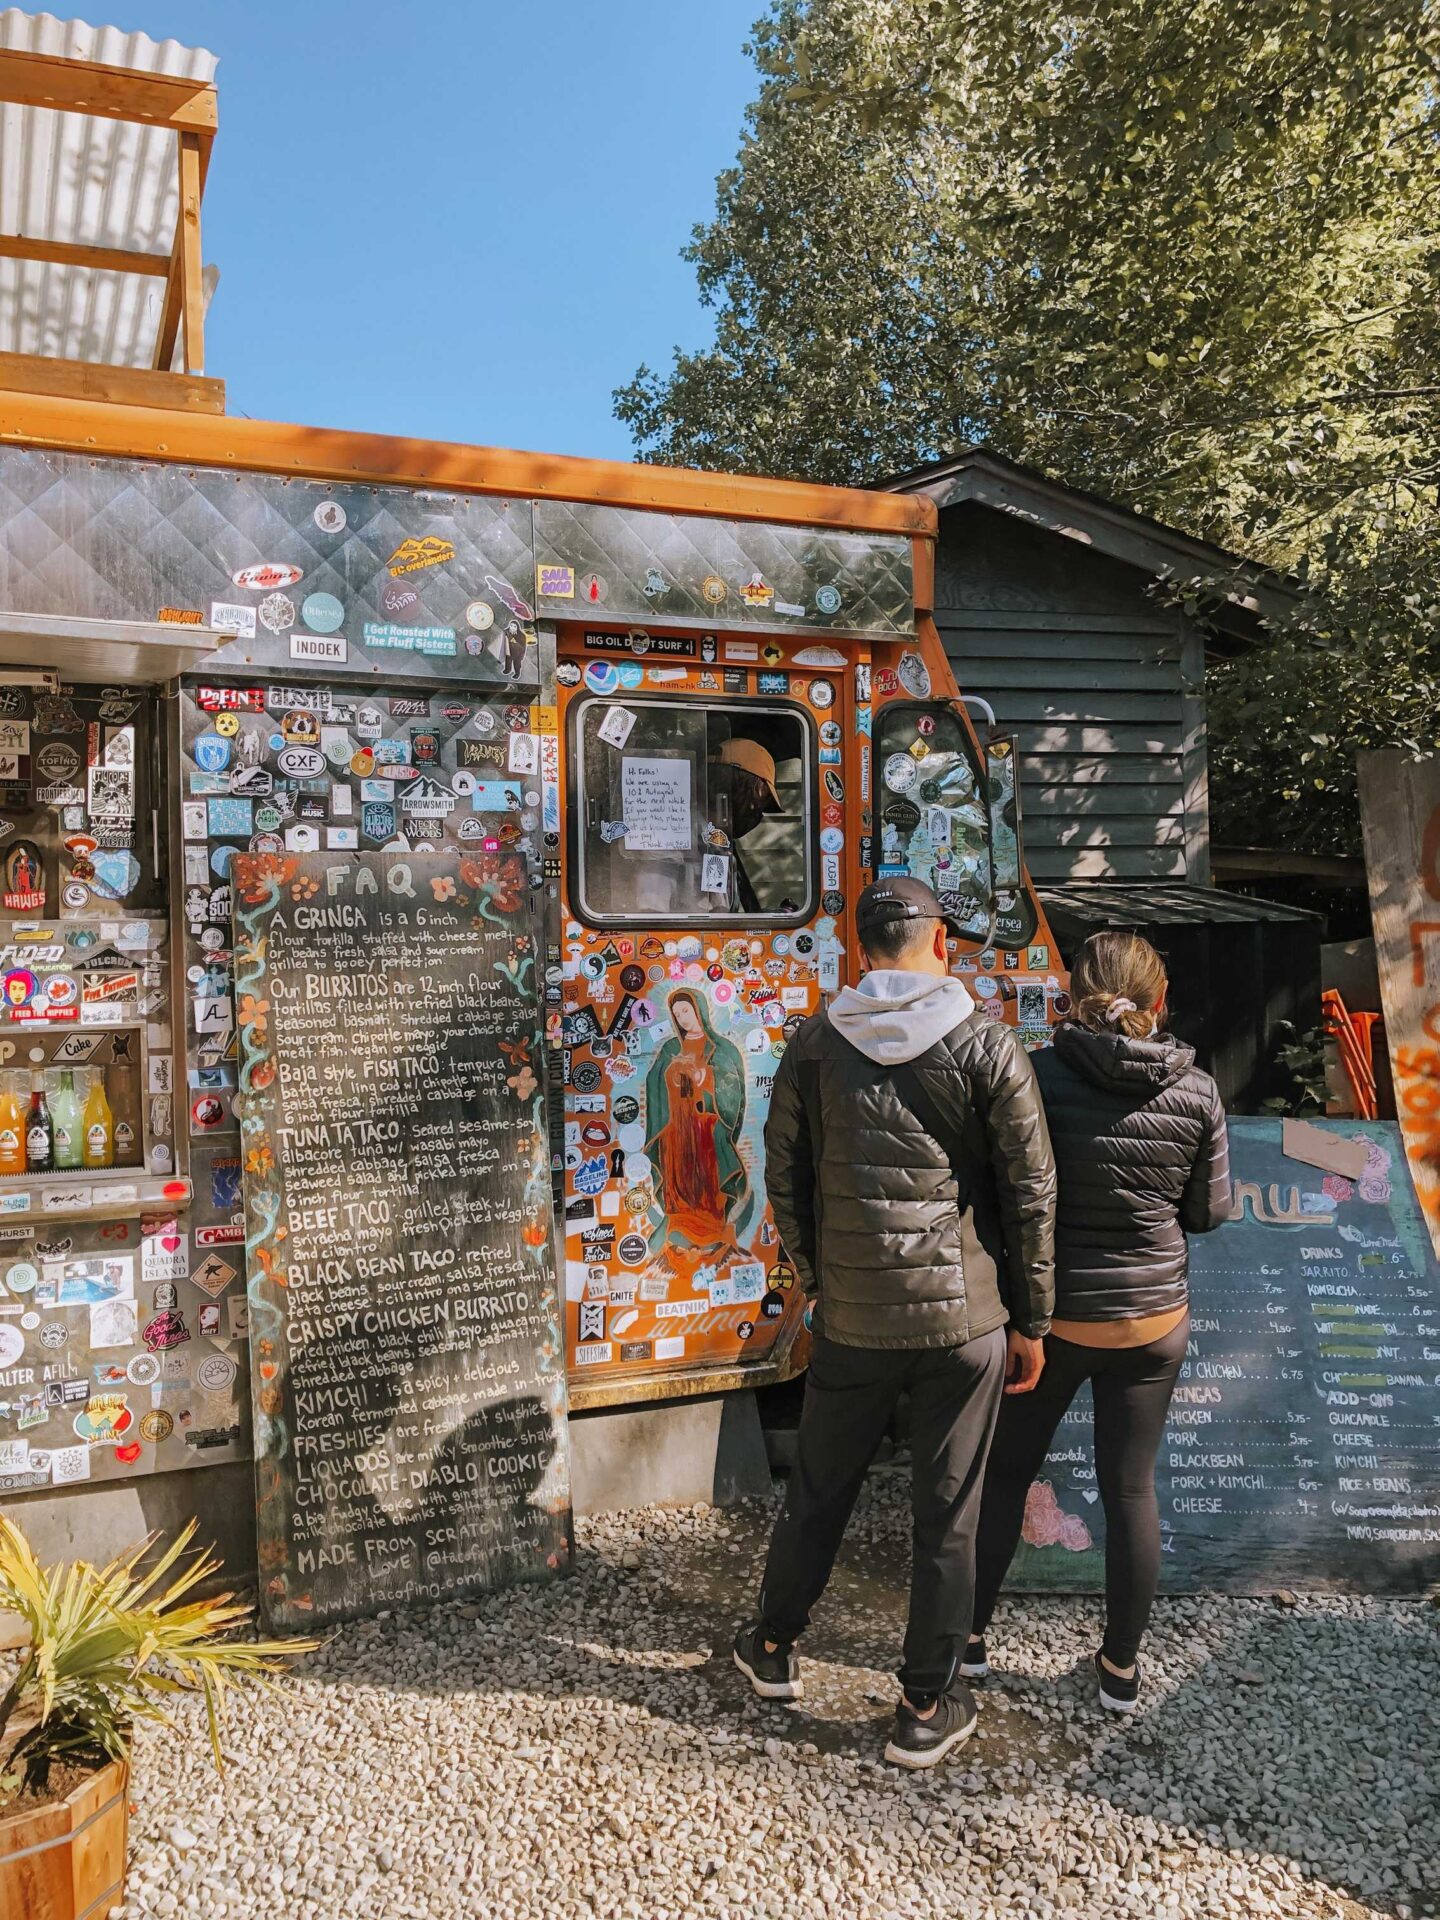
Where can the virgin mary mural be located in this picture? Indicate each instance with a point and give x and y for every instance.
(694, 1111)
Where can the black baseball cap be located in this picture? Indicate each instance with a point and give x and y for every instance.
(901, 899)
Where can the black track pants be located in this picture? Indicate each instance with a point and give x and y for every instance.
(850, 1394)
(1131, 1388)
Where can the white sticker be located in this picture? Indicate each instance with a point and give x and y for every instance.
(524, 754)
(672, 1347)
(192, 819)
(615, 727)
(319, 646)
(655, 797)
(114, 1324)
(342, 801)
(741, 650)
(14, 1456)
(69, 1463)
(900, 772)
(227, 617)
(594, 1356)
(302, 839)
(914, 676)
(342, 839)
(715, 873)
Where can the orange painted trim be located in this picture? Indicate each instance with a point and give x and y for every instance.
(324, 453)
(924, 570)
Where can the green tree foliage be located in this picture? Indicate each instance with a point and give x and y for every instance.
(1185, 253)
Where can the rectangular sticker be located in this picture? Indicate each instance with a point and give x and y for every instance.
(331, 648)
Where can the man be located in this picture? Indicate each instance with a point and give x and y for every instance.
(743, 791)
(909, 1169)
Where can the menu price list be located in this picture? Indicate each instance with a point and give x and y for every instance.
(404, 1326)
(1302, 1445)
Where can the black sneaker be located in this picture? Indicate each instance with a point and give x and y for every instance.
(923, 1743)
(974, 1662)
(774, 1676)
(1117, 1695)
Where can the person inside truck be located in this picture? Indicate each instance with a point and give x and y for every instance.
(742, 793)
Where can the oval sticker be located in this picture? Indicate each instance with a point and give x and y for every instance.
(301, 763)
(267, 576)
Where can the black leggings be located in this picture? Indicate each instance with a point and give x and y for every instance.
(1131, 1387)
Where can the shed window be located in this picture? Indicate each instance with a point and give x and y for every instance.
(692, 813)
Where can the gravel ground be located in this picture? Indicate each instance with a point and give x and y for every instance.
(587, 1749)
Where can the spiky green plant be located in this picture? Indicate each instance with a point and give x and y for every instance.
(110, 1645)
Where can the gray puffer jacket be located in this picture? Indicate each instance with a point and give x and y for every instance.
(1143, 1159)
(909, 1168)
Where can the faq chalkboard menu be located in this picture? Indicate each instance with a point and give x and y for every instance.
(406, 1358)
(1303, 1442)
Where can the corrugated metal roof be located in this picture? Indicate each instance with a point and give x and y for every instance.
(88, 182)
(1094, 904)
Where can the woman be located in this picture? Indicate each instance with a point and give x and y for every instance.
(1142, 1158)
(694, 1110)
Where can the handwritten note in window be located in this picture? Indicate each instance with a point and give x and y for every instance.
(656, 804)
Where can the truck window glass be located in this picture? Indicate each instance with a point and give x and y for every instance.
(932, 806)
(692, 813)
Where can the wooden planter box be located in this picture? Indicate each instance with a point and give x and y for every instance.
(66, 1861)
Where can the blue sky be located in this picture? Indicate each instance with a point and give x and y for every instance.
(458, 221)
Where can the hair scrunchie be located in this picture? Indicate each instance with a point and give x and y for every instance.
(1118, 1006)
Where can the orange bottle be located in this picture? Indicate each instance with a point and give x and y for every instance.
(12, 1130)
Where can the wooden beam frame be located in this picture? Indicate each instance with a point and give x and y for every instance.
(108, 93)
(62, 253)
(191, 107)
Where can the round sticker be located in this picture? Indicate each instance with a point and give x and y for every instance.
(215, 1372)
(901, 773)
(277, 612)
(724, 993)
(601, 677)
(833, 902)
(632, 978)
(592, 966)
(781, 944)
(586, 1077)
(21, 1277)
(362, 761)
(479, 615)
(267, 819)
(159, 1425)
(772, 1305)
(627, 1109)
(755, 1040)
(925, 725)
(633, 1249)
(220, 859)
(207, 1111)
(715, 589)
(322, 612)
(227, 725)
(267, 843)
(630, 676)
(827, 599)
(329, 516)
(568, 673)
(822, 694)
(143, 1370)
(594, 589)
(12, 1344)
(829, 733)
(914, 676)
(54, 1334)
(832, 839)
(986, 987)
(745, 1329)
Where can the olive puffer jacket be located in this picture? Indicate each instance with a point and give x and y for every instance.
(910, 1240)
(1143, 1159)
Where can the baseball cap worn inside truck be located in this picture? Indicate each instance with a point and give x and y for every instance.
(901, 899)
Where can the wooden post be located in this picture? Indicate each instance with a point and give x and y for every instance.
(187, 239)
(1400, 815)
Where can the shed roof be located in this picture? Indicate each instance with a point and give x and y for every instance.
(1085, 906)
(977, 474)
(85, 180)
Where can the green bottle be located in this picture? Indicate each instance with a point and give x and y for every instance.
(65, 1113)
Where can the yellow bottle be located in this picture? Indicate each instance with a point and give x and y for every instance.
(99, 1126)
(12, 1130)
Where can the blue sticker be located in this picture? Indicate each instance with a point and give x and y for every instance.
(389, 752)
(225, 1185)
(773, 683)
(322, 612)
(495, 796)
(630, 676)
(829, 756)
(276, 742)
(862, 721)
(211, 752)
(832, 839)
(601, 677)
(591, 1175)
(827, 599)
(116, 875)
(209, 783)
(220, 858)
(377, 820)
(231, 816)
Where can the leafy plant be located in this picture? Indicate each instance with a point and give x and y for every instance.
(110, 1645)
(1303, 1058)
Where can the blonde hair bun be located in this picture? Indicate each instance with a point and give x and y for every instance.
(1118, 984)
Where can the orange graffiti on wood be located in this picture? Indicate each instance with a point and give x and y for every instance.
(1400, 813)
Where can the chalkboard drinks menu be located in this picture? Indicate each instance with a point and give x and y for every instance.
(1302, 1447)
(407, 1366)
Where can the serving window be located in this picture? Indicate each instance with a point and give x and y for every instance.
(692, 813)
(933, 809)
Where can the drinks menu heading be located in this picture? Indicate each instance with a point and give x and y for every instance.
(406, 1361)
(1302, 1447)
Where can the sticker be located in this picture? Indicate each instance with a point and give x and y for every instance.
(12, 1344)
(601, 676)
(299, 763)
(1037, 958)
(900, 773)
(432, 641)
(216, 1372)
(230, 818)
(68, 1464)
(322, 612)
(277, 612)
(212, 752)
(412, 556)
(715, 873)
(24, 878)
(832, 839)
(914, 676)
(615, 728)
(822, 693)
(269, 574)
(554, 582)
(213, 1275)
(313, 646)
(479, 616)
(740, 650)
(756, 592)
(57, 762)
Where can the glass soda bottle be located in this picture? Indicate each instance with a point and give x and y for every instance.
(12, 1129)
(65, 1112)
(99, 1126)
(39, 1129)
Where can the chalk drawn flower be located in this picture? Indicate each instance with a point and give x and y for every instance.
(443, 886)
(252, 1012)
(1337, 1186)
(259, 1159)
(305, 888)
(267, 870)
(523, 1082)
(1046, 1523)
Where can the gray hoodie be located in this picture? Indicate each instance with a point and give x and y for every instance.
(894, 1016)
